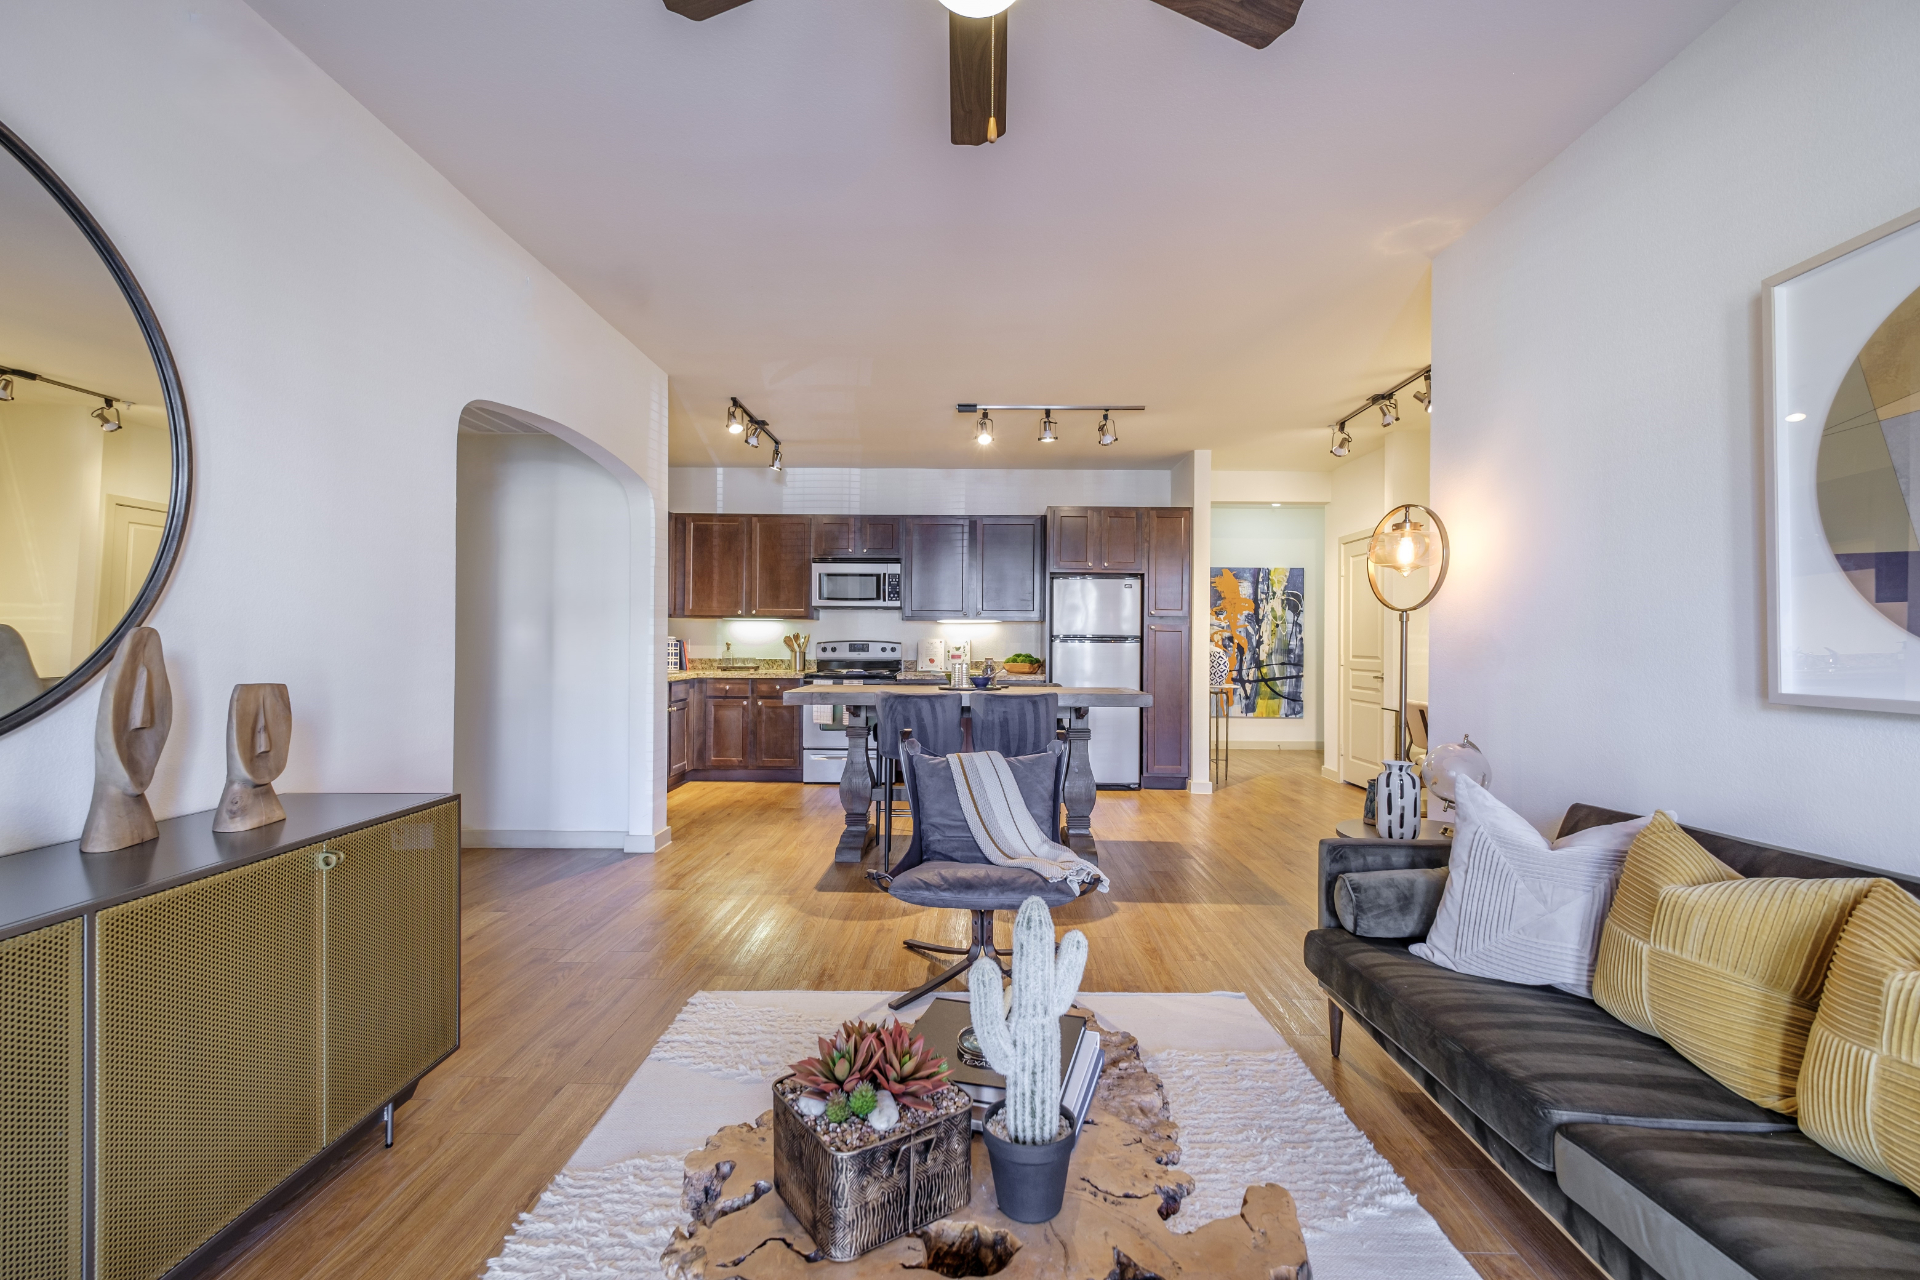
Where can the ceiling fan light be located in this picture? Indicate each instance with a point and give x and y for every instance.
(978, 8)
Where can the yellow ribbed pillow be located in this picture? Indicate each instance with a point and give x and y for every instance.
(1734, 972)
(1660, 856)
(1860, 1086)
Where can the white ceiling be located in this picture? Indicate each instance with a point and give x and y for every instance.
(768, 205)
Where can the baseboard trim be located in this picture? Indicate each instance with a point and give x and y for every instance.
(1331, 775)
(471, 839)
(649, 844)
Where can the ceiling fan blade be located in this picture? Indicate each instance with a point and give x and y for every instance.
(977, 77)
(701, 10)
(1255, 22)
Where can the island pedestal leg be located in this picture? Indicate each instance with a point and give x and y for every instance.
(856, 789)
(1079, 788)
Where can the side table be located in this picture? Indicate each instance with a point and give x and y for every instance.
(1360, 829)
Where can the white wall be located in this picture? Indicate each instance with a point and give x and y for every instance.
(760, 490)
(541, 657)
(1597, 440)
(1267, 536)
(332, 303)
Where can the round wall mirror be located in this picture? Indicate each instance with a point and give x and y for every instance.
(94, 455)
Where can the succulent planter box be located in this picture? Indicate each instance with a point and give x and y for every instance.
(855, 1200)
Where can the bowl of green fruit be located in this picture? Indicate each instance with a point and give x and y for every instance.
(1022, 664)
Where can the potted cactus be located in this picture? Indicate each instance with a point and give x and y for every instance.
(869, 1140)
(1029, 1135)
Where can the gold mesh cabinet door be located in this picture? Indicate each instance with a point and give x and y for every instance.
(41, 1039)
(392, 959)
(208, 1057)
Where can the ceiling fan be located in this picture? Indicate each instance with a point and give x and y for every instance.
(977, 48)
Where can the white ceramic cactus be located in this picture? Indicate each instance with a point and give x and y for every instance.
(1020, 1034)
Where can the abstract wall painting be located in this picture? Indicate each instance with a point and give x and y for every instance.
(1843, 474)
(1259, 624)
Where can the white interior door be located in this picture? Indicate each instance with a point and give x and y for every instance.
(1364, 730)
(128, 544)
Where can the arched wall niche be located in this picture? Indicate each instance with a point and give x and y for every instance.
(559, 741)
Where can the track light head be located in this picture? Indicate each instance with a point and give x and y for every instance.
(6, 387)
(776, 459)
(1109, 434)
(107, 416)
(736, 420)
(753, 437)
(1047, 435)
(1425, 395)
(1342, 442)
(1389, 411)
(983, 430)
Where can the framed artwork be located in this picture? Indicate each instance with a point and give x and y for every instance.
(1842, 339)
(1259, 624)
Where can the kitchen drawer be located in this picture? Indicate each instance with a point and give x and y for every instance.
(773, 688)
(679, 691)
(728, 688)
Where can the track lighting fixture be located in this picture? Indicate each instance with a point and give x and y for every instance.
(1388, 405)
(740, 419)
(983, 430)
(107, 416)
(753, 438)
(1425, 395)
(1342, 442)
(6, 387)
(776, 459)
(1049, 429)
(1389, 411)
(1046, 428)
(1109, 434)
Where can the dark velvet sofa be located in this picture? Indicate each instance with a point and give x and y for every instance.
(1657, 1170)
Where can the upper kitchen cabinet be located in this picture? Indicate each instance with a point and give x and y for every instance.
(872, 536)
(973, 567)
(740, 566)
(1096, 539)
(779, 581)
(1169, 561)
(1013, 568)
(715, 568)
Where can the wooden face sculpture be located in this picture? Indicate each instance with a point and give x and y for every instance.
(136, 711)
(259, 731)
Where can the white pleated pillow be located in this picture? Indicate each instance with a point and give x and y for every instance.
(1519, 909)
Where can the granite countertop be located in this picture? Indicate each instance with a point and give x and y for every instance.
(868, 695)
(771, 669)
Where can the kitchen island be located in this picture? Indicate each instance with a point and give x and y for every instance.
(856, 782)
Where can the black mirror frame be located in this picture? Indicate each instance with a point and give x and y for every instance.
(180, 494)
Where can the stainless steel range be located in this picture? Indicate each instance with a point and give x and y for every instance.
(823, 736)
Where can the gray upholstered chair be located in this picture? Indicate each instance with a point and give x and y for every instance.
(943, 866)
(933, 720)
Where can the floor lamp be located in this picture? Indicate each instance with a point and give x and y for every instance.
(1408, 538)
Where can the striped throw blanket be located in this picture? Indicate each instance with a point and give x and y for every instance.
(1003, 826)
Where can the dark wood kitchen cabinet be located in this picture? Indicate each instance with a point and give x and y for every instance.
(1096, 540)
(740, 566)
(872, 536)
(974, 567)
(1169, 561)
(740, 731)
(679, 737)
(780, 583)
(1166, 671)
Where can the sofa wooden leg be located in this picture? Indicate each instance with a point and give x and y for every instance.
(1335, 1017)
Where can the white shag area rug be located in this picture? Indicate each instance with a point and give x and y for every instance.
(1249, 1111)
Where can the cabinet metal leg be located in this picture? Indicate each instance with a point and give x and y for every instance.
(386, 1118)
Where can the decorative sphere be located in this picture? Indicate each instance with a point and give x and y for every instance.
(1451, 760)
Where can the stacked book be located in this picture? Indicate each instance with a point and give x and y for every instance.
(1081, 1058)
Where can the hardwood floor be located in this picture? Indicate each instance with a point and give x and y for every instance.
(576, 961)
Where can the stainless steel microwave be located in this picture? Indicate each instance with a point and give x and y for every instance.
(851, 584)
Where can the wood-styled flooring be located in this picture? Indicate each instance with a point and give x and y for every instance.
(575, 962)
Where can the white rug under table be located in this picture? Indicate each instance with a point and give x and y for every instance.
(1249, 1112)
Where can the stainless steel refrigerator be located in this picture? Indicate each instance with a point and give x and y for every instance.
(1095, 628)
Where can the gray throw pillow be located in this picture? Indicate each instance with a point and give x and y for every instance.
(1389, 904)
(944, 833)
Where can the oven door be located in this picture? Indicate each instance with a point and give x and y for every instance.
(823, 744)
(842, 585)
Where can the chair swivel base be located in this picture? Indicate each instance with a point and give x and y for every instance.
(981, 945)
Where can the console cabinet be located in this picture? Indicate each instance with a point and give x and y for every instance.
(254, 999)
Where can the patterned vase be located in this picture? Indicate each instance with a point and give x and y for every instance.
(1217, 667)
(1398, 815)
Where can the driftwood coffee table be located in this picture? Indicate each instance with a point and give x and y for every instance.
(1123, 1185)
